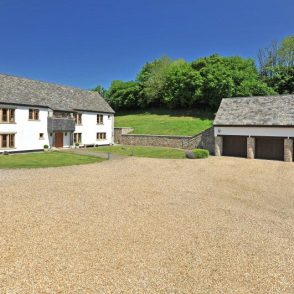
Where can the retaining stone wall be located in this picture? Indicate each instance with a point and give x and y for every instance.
(203, 140)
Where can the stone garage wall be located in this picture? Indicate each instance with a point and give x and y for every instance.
(203, 140)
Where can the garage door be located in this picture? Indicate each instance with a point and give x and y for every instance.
(235, 146)
(269, 148)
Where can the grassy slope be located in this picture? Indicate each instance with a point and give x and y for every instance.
(46, 159)
(165, 122)
(142, 151)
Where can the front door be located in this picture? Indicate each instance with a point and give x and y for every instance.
(58, 143)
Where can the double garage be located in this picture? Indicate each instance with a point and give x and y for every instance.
(255, 127)
(265, 147)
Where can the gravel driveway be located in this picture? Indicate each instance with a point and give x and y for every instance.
(139, 225)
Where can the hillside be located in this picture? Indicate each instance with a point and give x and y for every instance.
(165, 122)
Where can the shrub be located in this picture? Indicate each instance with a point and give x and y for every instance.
(46, 146)
(200, 153)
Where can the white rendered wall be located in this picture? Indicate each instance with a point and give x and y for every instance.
(255, 131)
(27, 131)
(89, 128)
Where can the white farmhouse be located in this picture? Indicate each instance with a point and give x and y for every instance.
(34, 114)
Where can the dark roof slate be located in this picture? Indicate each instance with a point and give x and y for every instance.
(15, 90)
(256, 111)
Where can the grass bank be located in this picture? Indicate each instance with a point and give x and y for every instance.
(166, 122)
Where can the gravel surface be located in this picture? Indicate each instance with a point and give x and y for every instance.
(139, 225)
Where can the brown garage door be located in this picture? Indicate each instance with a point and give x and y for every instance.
(235, 146)
(269, 148)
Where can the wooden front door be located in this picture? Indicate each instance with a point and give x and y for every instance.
(58, 143)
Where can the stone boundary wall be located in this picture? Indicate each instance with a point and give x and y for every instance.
(203, 140)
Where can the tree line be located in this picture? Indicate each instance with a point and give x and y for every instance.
(205, 81)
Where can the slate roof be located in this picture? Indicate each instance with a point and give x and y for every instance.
(21, 91)
(256, 111)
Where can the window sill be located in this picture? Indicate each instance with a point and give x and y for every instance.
(7, 148)
(34, 120)
(7, 123)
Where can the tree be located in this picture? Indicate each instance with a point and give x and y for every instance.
(282, 79)
(123, 95)
(102, 91)
(182, 85)
(286, 52)
(277, 54)
(225, 77)
(279, 74)
(268, 58)
(151, 79)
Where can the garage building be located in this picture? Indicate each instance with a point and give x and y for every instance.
(255, 127)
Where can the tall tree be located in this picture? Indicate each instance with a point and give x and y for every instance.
(268, 58)
(282, 79)
(102, 91)
(123, 95)
(225, 77)
(182, 85)
(151, 78)
(278, 74)
(286, 52)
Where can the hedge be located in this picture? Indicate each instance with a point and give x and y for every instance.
(197, 153)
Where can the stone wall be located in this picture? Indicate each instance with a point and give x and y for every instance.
(203, 140)
(250, 147)
(118, 132)
(288, 150)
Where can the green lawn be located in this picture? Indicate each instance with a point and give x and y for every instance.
(142, 151)
(166, 122)
(45, 159)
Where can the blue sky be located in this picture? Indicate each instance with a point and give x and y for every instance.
(88, 42)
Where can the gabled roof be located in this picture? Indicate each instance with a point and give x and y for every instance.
(23, 91)
(256, 111)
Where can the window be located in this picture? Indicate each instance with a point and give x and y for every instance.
(33, 114)
(99, 119)
(7, 140)
(78, 138)
(7, 115)
(78, 118)
(101, 136)
(109, 116)
(41, 136)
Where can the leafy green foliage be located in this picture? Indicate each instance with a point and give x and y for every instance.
(102, 91)
(225, 77)
(152, 79)
(282, 79)
(179, 84)
(123, 95)
(276, 65)
(182, 85)
(286, 52)
(201, 153)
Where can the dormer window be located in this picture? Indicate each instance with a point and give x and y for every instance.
(78, 118)
(7, 115)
